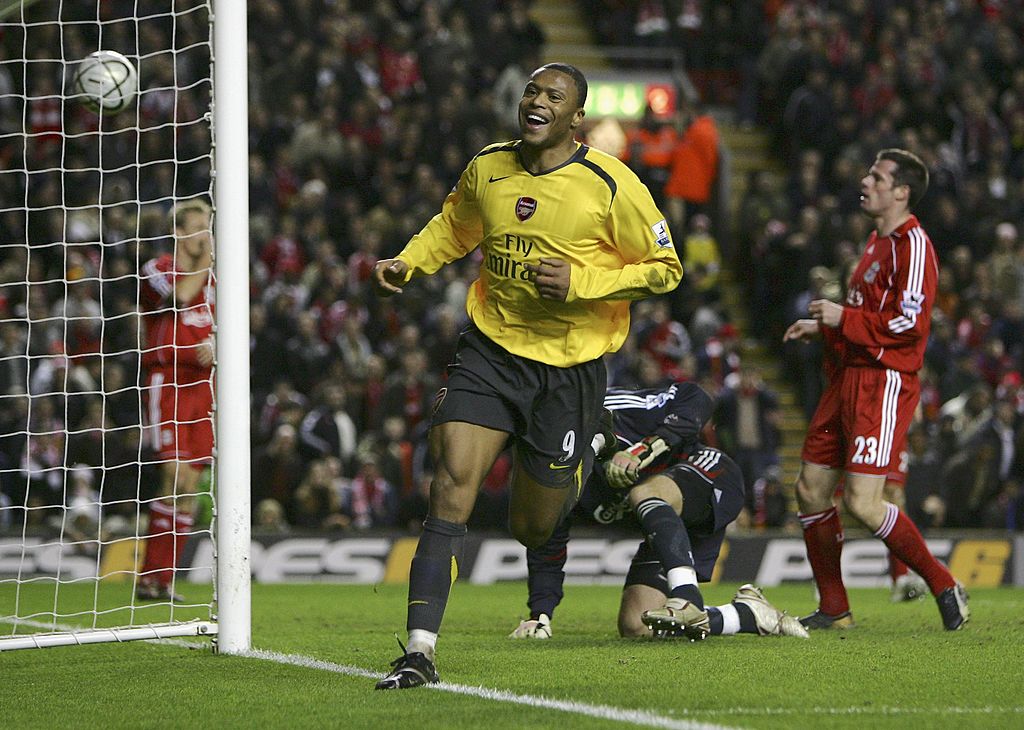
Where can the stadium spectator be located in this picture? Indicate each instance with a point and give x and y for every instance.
(413, 507)
(306, 353)
(268, 517)
(369, 499)
(328, 430)
(318, 501)
(409, 392)
(280, 468)
(979, 474)
(878, 340)
(747, 424)
(694, 166)
(177, 293)
(809, 116)
(702, 261)
(542, 383)
(770, 503)
(648, 151)
(663, 338)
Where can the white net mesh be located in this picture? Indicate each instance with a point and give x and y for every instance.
(84, 202)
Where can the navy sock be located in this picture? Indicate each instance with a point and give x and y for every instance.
(689, 593)
(667, 535)
(717, 623)
(434, 568)
(546, 572)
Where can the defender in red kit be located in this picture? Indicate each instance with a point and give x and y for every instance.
(875, 343)
(176, 292)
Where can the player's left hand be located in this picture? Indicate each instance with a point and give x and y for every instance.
(623, 470)
(827, 312)
(551, 277)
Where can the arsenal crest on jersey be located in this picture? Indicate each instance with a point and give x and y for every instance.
(525, 207)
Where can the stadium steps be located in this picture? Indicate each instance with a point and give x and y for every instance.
(792, 423)
(750, 149)
(569, 37)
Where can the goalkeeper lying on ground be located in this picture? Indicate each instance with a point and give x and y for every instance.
(683, 494)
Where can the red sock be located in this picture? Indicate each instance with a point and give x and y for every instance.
(901, 536)
(897, 568)
(823, 535)
(182, 531)
(165, 542)
(159, 543)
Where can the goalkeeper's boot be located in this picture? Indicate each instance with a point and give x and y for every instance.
(819, 620)
(770, 620)
(953, 607)
(908, 587)
(538, 628)
(412, 669)
(678, 616)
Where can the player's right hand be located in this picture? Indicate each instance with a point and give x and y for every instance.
(802, 329)
(539, 628)
(389, 276)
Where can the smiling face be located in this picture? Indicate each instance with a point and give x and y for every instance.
(549, 111)
(879, 193)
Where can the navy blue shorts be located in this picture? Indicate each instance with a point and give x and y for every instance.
(551, 413)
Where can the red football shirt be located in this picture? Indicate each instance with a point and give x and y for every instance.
(887, 313)
(174, 330)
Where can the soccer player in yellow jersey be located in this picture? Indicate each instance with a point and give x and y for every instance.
(569, 235)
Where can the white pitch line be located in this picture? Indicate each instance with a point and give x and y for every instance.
(883, 710)
(605, 712)
(636, 717)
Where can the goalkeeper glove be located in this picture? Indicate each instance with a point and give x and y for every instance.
(538, 628)
(624, 468)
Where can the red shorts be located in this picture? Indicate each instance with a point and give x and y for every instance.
(862, 420)
(180, 418)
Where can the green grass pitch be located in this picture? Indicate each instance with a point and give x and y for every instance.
(898, 668)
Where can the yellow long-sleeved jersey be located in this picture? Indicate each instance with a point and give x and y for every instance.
(591, 211)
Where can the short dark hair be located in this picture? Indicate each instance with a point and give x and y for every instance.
(910, 171)
(577, 76)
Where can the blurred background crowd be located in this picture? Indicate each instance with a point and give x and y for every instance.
(362, 117)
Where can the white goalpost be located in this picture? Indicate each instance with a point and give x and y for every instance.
(85, 203)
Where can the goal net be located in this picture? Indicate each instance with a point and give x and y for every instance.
(93, 544)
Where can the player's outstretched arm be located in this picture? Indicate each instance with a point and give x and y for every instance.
(389, 275)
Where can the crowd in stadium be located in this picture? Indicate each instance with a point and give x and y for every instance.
(944, 80)
(362, 117)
